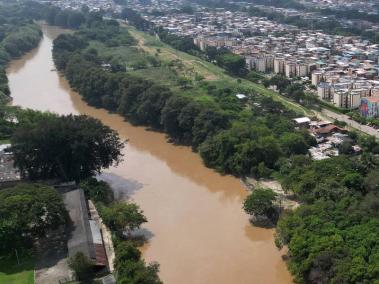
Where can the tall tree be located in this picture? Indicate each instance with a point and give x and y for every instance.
(67, 147)
(28, 211)
(260, 203)
(123, 217)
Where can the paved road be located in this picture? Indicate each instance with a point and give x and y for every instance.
(342, 117)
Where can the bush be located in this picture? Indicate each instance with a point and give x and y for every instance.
(82, 266)
(260, 203)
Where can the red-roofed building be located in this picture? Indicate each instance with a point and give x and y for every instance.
(328, 129)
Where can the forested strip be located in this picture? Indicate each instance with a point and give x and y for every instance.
(18, 35)
(230, 137)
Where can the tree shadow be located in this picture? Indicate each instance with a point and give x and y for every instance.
(52, 249)
(122, 188)
(262, 223)
(142, 234)
(140, 237)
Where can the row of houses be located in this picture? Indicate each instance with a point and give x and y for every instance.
(331, 63)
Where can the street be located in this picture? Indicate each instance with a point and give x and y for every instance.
(342, 117)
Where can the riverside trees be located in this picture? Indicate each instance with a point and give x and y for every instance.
(257, 139)
(260, 203)
(203, 123)
(333, 236)
(66, 147)
(122, 218)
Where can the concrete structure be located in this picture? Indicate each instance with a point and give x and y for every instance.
(302, 69)
(9, 175)
(369, 107)
(279, 65)
(346, 99)
(316, 78)
(324, 91)
(85, 236)
(290, 69)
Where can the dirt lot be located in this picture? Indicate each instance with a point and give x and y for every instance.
(51, 263)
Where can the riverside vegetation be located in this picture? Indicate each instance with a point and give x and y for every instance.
(18, 35)
(332, 237)
(31, 211)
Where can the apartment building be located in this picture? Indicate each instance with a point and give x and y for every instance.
(369, 107)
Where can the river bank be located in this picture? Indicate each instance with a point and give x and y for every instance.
(197, 230)
(286, 200)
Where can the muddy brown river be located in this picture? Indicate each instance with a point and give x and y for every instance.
(197, 229)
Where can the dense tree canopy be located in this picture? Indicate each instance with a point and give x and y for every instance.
(256, 141)
(27, 212)
(64, 18)
(260, 203)
(123, 217)
(333, 237)
(327, 246)
(67, 147)
(233, 63)
(21, 41)
(131, 268)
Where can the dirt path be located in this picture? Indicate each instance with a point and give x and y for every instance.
(197, 65)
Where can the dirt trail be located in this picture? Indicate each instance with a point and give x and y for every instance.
(197, 65)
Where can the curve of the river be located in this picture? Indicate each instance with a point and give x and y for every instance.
(197, 229)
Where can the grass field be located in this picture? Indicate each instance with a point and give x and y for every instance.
(5, 141)
(175, 64)
(208, 70)
(12, 273)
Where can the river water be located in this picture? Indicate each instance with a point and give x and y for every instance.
(197, 229)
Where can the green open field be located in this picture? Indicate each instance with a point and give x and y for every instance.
(208, 70)
(4, 141)
(12, 273)
(175, 65)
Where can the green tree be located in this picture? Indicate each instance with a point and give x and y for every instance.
(61, 19)
(346, 148)
(353, 181)
(75, 19)
(28, 211)
(233, 63)
(121, 217)
(131, 272)
(293, 144)
(184, 82)
(170, 115)
(67, 147)
(371, 181)
(260, 203)
(82, 266)
(126, 251)
(98, 191)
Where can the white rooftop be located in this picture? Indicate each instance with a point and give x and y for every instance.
(301, 120)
